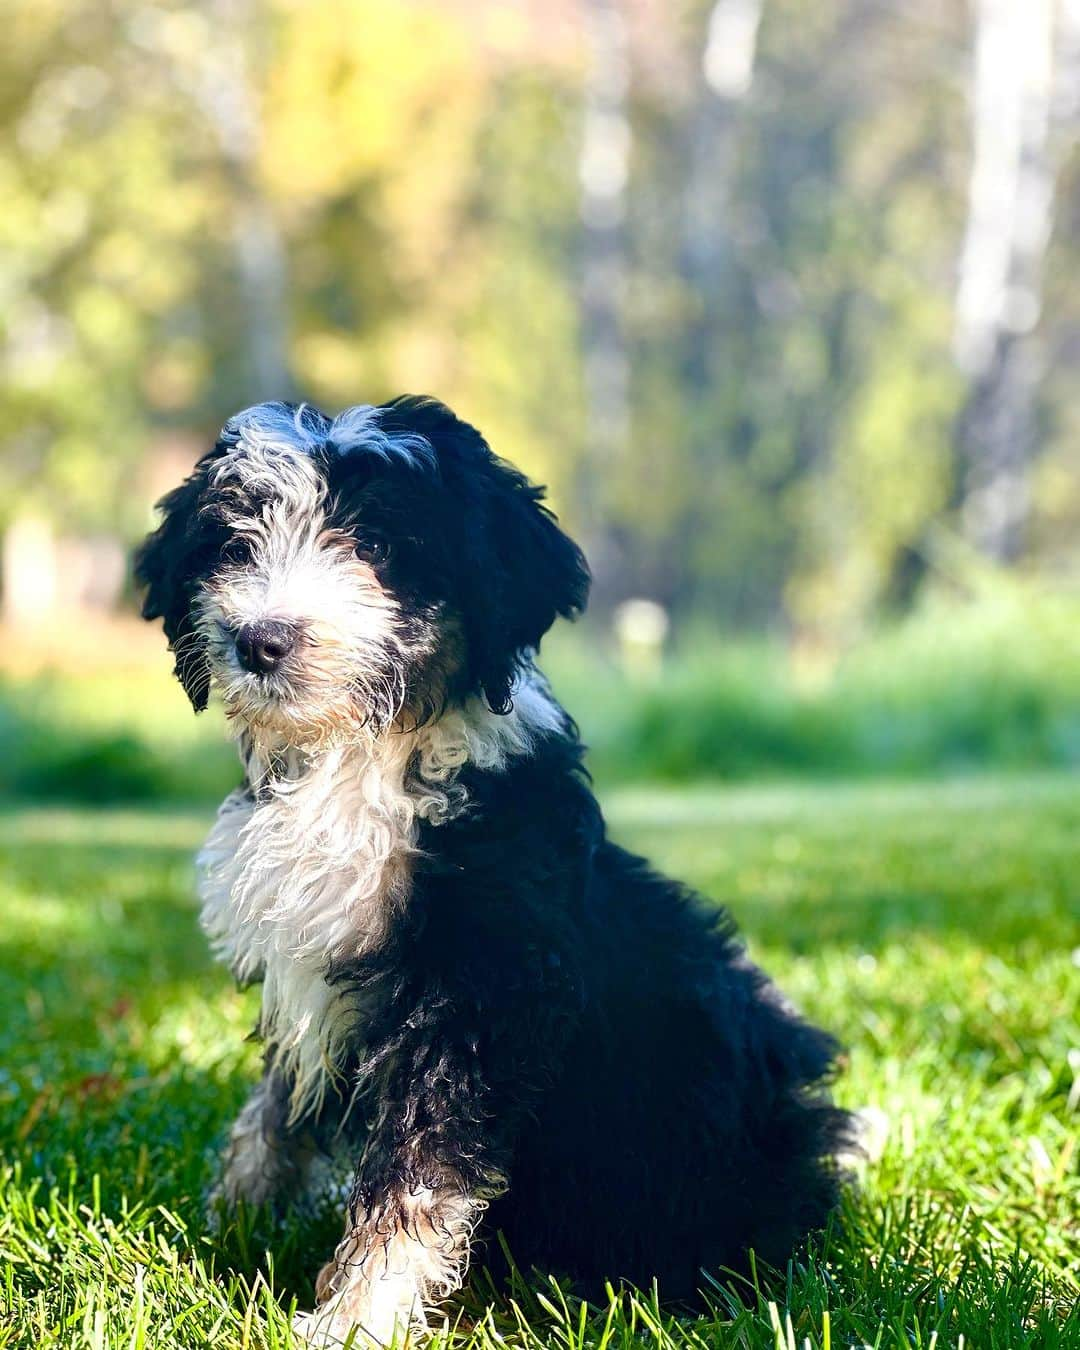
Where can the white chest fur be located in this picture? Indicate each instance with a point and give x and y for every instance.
(313, 870)
(309, 873)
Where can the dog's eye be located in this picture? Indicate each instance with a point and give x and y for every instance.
(237, 549)
(371, 546)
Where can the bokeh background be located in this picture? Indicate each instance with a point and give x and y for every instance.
(782, 300)
(780, 297)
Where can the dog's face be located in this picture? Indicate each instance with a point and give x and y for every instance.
(327, 575)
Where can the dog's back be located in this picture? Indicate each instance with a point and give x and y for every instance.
(665, 1110)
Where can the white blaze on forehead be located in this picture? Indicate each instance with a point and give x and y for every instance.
(270, 457)
(271, 429)
(299, 570)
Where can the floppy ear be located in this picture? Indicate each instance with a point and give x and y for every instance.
(521, 572)
(529, 574)
(169, 565)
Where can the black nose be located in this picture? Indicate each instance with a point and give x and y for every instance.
(261, 647)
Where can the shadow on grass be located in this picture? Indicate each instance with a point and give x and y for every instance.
(811, 872)
(121, 1043)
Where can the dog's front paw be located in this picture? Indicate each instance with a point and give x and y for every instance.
(217, 1210)
(329, 1326)
(235, 1191)
(250, 1182)
(264, 1166)
(379, 1312)
(321, 1328)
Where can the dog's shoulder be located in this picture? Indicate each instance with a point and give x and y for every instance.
(519, 815)
(502, 885)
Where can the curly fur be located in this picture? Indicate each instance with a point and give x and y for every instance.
(510, 1022)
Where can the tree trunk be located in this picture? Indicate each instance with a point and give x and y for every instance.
(604, 170)
(1000, 288)
(726, 73)
(225, 92)
(727, 69)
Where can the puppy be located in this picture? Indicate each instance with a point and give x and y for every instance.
(509, 1022)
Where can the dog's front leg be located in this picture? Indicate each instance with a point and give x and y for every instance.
(267, 1160)
(409, 1252)
(433, 1159)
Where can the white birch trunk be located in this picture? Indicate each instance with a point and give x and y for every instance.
(999, 297)
(728, 59)
(727, 68)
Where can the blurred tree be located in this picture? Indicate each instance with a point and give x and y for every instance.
(693, 264)
(1008, 231)
(604, 171)
(892, 197)
(99, 216)
(219, 76)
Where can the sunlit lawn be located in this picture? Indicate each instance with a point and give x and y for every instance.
(935, 928)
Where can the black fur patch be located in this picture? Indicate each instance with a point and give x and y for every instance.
(548, 1023)
(558, 1024)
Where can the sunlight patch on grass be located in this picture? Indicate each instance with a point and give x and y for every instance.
(931, 927)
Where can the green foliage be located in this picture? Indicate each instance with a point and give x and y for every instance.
(114, 737)
(205, 206)
(930, 926)
(955, 688)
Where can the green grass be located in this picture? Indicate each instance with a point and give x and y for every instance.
(954, 687)
(935, 928)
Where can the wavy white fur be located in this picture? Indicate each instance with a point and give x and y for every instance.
(384, 1282)
(310, 869)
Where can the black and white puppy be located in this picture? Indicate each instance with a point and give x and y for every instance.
(511, 1023)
